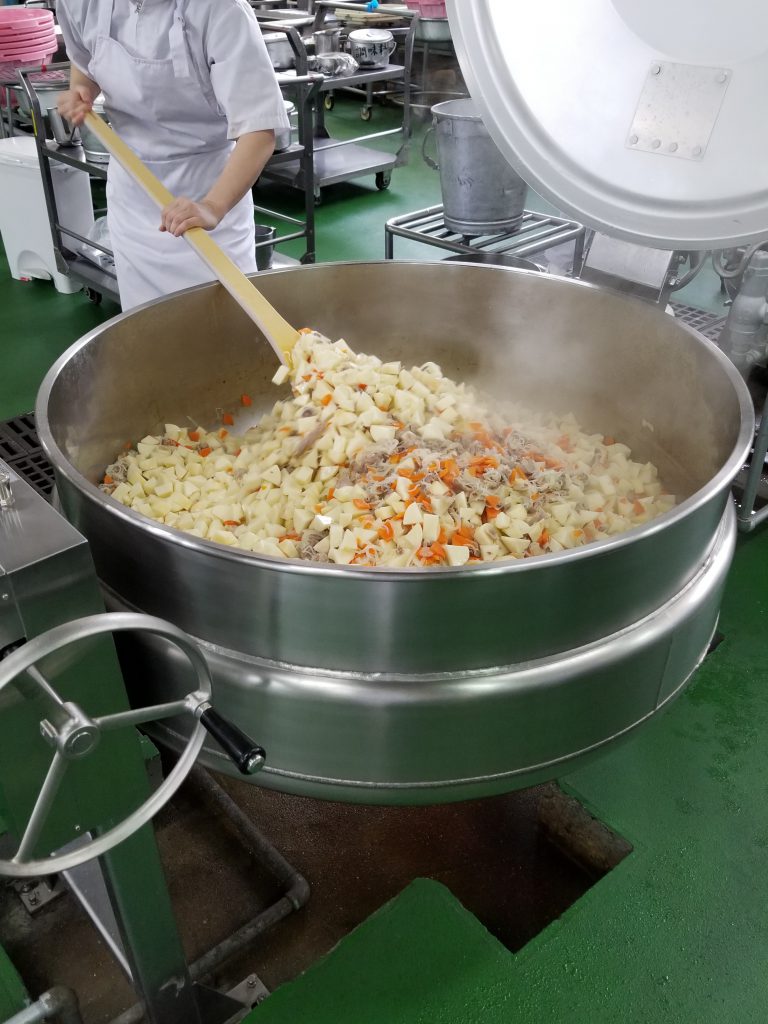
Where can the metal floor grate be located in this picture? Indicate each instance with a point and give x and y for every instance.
(20, 449)
(708, 324)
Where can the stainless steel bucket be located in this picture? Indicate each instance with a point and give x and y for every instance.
(416, 685)
(93, 147)
(482, 194)
(327, 40)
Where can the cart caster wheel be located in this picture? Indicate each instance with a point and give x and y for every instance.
(93, 296)
(366, 113)
(383, 178)
(318, 198)
(329, 101)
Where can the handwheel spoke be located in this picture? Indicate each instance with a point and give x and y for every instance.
(141, 715)
(42, 808)
(32, 685)
(37, 676)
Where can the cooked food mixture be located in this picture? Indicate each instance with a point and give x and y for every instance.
(373, 464)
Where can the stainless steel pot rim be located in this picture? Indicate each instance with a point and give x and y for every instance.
(726, 474)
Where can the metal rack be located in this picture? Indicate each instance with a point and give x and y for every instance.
(536, 233)
(343, 160)
(100, 280)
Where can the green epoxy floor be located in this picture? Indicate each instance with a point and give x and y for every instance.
(677, 933)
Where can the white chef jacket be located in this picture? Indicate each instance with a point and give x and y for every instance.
(225, 44)
(180, 79)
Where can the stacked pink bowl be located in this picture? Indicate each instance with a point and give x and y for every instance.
(27, 36)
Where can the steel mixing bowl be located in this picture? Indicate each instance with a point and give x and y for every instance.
(418, 685)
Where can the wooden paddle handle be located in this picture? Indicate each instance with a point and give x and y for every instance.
(275, 329)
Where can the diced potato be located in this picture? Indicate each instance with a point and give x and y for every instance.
(271, 490)
(457, 555)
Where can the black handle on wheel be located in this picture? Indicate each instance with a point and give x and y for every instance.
(247, 756)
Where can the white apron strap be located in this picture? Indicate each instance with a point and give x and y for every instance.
(104, 22)
(179, 54)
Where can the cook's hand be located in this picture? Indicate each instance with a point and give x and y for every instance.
(183, 214)
(75, 103)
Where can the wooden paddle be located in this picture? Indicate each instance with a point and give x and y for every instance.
(278, 332)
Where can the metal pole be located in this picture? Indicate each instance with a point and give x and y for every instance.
(58, 1003)
(747, 518)
(265, 854)
(142, 907)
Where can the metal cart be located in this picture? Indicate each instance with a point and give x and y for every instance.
(95, 271)
(343, 160)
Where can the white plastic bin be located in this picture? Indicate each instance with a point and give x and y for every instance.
(24, 224)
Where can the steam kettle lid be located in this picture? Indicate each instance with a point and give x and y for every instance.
(639, 119)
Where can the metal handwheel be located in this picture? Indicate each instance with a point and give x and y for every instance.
(73, 735)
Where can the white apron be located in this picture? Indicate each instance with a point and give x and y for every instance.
(168, 115)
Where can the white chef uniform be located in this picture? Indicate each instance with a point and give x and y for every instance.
(181, 79)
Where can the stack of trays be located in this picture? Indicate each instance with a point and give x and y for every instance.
(27, 35)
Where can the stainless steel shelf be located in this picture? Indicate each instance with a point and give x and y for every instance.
(536, 233)
(335, 163)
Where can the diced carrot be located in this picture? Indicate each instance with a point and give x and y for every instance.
(305, 330)
(319, 508)
(407, 473)
(238, 452)
(438, 549)
(442, 536)
(127, 446)
(544, 538)
(246, 400)
(205, 452)
(492, 500)
(306, 376)
(564, 442)
(460, 541)
(490, 513)
(223, 433)
(607, 439)
(194, 435)
(364, 505)
(367, 523)
(232, 522)
(518, 473)
(228, 418)
(577, 534)
(331, 492)
(638, 508)
(325, 400)
(386, 532)
(362, 387)
(535, 495)
(108, 479)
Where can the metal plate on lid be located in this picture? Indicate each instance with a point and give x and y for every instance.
(672, 158)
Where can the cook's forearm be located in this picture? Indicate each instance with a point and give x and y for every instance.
(78, 79)
(244, 166)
